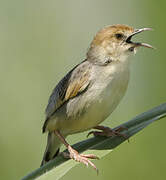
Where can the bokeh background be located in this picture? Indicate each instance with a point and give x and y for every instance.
(40, 41)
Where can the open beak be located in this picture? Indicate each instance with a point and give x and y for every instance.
(138, 44)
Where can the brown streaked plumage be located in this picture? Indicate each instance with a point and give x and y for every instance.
(78, 84)
(70, 86)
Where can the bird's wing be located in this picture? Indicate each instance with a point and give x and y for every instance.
(75, 82)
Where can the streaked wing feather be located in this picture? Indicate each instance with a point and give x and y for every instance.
(57, 97)
(77, 85)
(70, 86)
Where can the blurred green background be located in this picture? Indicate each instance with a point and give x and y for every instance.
(40, 41)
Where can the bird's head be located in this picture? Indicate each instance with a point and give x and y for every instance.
(115, 42)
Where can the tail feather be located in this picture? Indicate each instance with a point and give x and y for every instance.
(52, 148)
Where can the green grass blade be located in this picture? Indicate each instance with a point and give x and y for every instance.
(98, 143)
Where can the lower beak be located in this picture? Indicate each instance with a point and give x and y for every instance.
(138, 44)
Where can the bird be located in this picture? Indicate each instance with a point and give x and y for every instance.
(91, 91)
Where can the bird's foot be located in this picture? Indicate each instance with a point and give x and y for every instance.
(108, 132)
(83, 158)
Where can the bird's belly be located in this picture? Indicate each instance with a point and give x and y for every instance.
(93, 107)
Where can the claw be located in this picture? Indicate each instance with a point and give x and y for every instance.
(91, 132)
(108, 132)
(83, 158)
(73, 154)
(91, 156)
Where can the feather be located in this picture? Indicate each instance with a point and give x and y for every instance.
(75, 82)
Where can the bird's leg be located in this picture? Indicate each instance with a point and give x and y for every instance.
(73, 154)
(108, 132)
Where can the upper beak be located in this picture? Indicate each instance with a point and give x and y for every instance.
(138, 44)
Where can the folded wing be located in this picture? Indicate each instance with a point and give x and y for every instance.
(75, 82)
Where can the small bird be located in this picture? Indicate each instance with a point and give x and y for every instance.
(91, 91)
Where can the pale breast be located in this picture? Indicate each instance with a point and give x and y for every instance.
(95, 105)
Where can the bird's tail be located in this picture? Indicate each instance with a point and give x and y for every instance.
(52, 148)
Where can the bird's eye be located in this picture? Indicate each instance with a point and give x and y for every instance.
(131, 49)
(119, 36)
